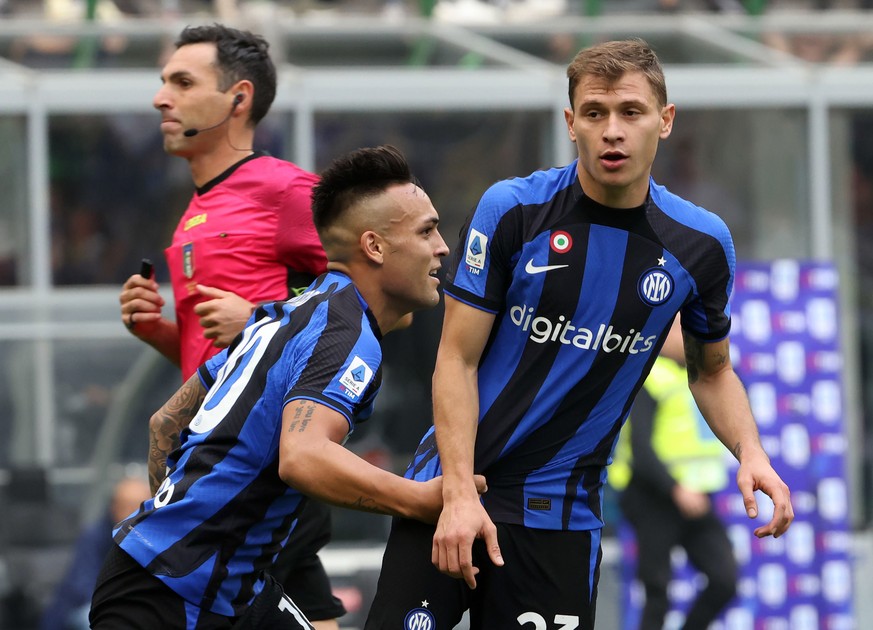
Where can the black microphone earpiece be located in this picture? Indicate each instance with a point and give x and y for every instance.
(237, 99)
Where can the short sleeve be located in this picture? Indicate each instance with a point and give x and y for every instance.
(481, 267)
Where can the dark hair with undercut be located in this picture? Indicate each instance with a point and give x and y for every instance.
(240, 55)
(355, 176)
(612, 60)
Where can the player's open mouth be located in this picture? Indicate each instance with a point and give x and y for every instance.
(613, 156)
(613, 159)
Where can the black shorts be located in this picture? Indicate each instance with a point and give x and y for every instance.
(128, 597)
(272, 609)
(549, 579)
(299, 570)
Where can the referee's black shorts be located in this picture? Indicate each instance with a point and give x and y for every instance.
(549, 579)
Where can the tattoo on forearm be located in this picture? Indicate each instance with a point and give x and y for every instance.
(365, 504)
(162, 442)
(167, 424)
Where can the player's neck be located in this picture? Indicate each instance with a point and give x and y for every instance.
(385, 310)
(632, 195)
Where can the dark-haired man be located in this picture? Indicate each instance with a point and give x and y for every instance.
(246, 237)
(264, 420)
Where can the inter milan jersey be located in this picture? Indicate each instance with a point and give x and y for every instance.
(248, 231)
(583, 297)
(223, 513)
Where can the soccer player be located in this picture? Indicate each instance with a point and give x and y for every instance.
(246, 237)
(558, 299)
(263, 421)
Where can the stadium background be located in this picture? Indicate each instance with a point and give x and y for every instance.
(774, 132)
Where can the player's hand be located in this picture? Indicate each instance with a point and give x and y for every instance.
(756, 473)
(224, 316)
(691, 504)
(432, 498)
(462, 521)
(140, 305)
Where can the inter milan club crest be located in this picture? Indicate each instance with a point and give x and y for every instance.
(656, 284)
(188, 260)
(561, 242)
(419, 619)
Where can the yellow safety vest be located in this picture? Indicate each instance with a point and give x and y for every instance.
(681, 438)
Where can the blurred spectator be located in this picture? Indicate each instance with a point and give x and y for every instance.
(862, 196)
(53, 50)
(68, 607)
(99, 229)
(842, 49)
(7, 253)
(666, 477)
(717, 6)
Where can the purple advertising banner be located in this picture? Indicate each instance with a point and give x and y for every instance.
(785, 349)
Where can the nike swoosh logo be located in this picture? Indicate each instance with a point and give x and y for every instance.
(532, 269)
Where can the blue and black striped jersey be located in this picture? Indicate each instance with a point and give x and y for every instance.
(583, 296)
(223, 513)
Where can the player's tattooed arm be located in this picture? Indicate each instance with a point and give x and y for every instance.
(166, 425)
(313, 461)
(303, 411)
(301, 415)
(702, 359)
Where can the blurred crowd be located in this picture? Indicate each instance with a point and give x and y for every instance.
(451, 10)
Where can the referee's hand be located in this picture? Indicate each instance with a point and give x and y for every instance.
(223, 315)
(140, 304)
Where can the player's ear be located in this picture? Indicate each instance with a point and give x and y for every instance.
(668, 114)
(568, 118)
(373, 246)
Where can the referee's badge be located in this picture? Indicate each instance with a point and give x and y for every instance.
(188, 260)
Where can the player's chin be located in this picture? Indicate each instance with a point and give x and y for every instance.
(428, 299)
